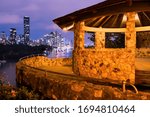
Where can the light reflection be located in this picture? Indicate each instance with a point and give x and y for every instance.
(68, 28)
(137, 20)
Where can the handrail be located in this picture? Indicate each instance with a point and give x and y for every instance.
(124, 83)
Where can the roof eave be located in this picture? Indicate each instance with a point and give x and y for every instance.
(102, 9)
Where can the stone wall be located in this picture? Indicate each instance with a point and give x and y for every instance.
(100, 62)
(44, 61)
(143, 53)
(64, 87)
(115, 64)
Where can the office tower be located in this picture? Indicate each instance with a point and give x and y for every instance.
(3, 38)
(12, 36)
(26, 29)
(3, 35)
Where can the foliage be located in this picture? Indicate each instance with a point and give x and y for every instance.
(18, 51)
(24, 94)
(8, 92)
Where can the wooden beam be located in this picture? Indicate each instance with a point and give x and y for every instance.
(145, 28)
(137, 29)
(91, 29)
(114, 29)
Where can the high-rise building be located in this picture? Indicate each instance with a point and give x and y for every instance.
(26, 29)
(3, 37)
(12, 36)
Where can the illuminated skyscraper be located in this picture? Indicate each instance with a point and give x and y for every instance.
(12, 36)
(3, 37)
(26, 29)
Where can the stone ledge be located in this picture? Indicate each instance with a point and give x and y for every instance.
(44, 61)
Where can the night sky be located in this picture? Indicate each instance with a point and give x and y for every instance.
(41, 13)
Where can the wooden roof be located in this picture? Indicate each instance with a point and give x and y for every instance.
(108, 14)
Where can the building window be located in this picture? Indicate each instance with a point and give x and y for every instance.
(114, 40)
(143, 39)
(89, 39)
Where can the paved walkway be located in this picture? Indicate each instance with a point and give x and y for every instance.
(142, 64)
(59, 69)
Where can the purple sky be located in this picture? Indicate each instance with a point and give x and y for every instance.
(41, 13)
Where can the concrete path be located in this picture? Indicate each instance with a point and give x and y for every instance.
(142, 64)
(59, 69)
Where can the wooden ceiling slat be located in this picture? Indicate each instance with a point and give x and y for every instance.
(115, 21)
(91, 21)
(146, 16)
(120, 18)
(109, 22)
(113, 10)
(143, 19)
(100, 19)
(140, 17)
(104, 21)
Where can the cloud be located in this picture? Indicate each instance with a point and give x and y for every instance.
(41, 13)
(30, 8)
(9, 19)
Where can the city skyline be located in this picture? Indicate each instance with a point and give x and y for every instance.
(41, 14)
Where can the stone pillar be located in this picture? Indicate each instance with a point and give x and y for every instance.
(131, 43)
(97, 40)
(100, 39)
(78, 46)
(130, 31)
(79, 35)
